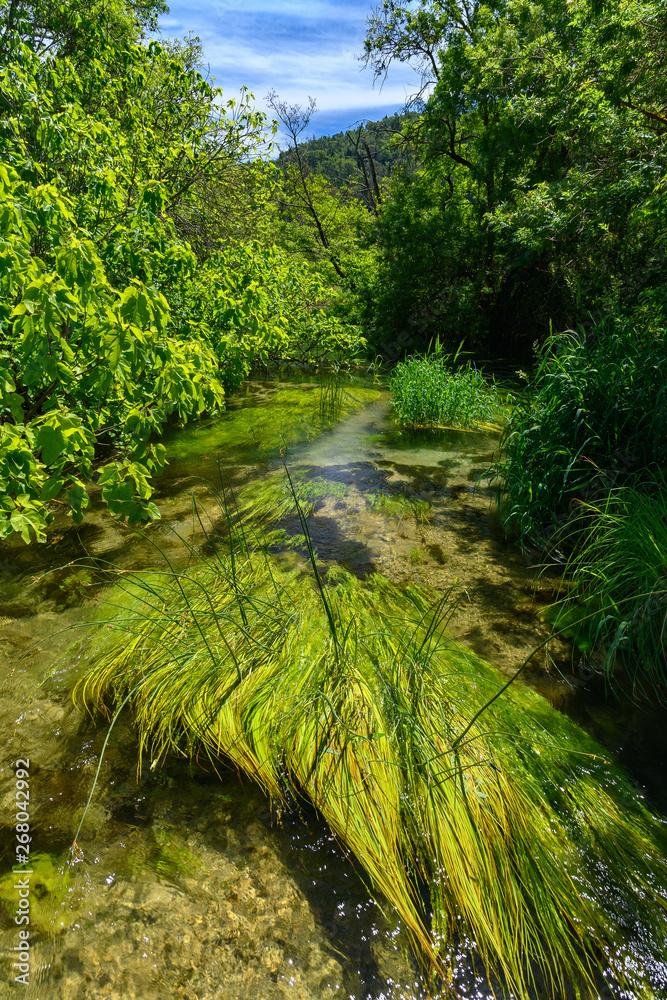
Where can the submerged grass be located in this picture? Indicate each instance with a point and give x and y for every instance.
(292, 416)
(429, 392)
(272, 498)
(351, 695)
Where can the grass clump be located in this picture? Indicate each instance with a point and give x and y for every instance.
(272, 498)
(350, 695)
(618, 596)
(400, 507)
(429, 392)
(593, 418)
(584, 457)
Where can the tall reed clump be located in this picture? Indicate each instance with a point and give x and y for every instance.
(429, 392)
(617, 601)
(594, 417)
(535, 852)
(583, 458)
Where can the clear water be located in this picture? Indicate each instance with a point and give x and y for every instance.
(186, 888)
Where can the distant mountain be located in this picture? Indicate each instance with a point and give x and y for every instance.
(358, 158)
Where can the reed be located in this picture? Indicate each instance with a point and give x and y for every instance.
(593, 418)
(350, 695)
(429, 391)
(616, 602)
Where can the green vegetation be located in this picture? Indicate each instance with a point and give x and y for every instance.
(594, 417)
(361, 160)
(429, 392)
(49, 882)
(582, 479)
(152, 254)
(138, 279)
(400, 507)
(617, 600)
(272, 498)
(543, 150)
(327, 226)
(259, 432)
(351, 696)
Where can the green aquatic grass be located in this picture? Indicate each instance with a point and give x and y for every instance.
(271, 498)
(350, 695)
(617, 596)
(400, 507)
(290, 417)
(428, 391)
(49, 884)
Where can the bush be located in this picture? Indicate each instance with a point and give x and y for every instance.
(428, 392)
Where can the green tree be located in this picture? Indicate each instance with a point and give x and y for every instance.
(109, 321)
(73, 28)
(543, 137)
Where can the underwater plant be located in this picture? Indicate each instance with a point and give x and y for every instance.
(485, 817)
(49, 881)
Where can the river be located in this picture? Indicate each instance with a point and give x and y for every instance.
(185, 886)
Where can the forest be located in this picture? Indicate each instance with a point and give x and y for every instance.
(165, 249)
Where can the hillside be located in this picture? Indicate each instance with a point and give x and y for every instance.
(343, 158)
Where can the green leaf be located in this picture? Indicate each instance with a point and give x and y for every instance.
(51, 441)
(26, 521)
(51, 488)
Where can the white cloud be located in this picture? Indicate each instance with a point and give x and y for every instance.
(300, 48)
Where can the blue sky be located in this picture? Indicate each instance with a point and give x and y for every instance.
(300, 48)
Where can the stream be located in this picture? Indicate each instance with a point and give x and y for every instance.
(185, 887)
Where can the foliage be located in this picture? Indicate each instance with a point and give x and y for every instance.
(617, 601)
(350, 695)
(327, 226)
(541, 192)
(110, 322)
(595, 416)
(344, 159)
(71, 29)
(413, 296)
(429, 392)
